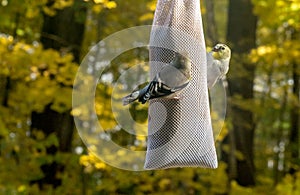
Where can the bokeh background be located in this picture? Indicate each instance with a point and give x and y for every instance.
(42, 43)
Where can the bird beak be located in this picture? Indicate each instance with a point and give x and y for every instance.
(215, 49)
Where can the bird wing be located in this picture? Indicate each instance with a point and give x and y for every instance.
(158, 89)
(213, 71)
(168, 81)
(172, 77)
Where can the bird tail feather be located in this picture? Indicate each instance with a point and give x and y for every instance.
(130, 98)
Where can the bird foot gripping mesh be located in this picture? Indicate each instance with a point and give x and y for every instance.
(179, 129)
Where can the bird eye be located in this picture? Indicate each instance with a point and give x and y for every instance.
(223, 48)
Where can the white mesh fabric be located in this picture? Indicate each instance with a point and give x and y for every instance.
(179, 129)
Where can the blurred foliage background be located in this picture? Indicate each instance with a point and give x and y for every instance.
(41, 46)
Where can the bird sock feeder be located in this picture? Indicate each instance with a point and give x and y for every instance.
(179, 128)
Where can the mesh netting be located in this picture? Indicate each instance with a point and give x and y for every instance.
(179, 129)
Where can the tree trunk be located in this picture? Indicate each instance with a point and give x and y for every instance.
(295, 123)
(63, 32)
(212, 31)
(278, 159)
(241, 32)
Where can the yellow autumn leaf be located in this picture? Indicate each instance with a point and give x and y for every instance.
(84, 160)
(21, 188)
(111, 5)
(97, 8)
(49, 11)
(100, 165)
(147, 16)
(295, 6)
(99, 1)
(121, 153)
(152, 5)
